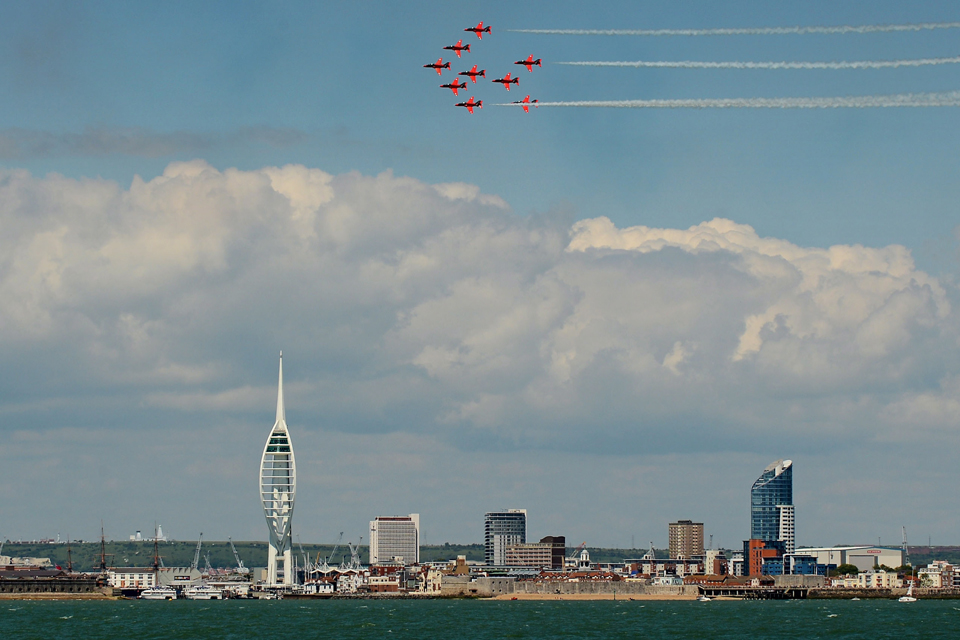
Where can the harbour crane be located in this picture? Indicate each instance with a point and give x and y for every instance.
(325, 567)
(240, 567)
(206, 561)
(576, 552)
(355, 555)
(306, 560)
(196, 554)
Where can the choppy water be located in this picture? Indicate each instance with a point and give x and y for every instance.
(479, 619)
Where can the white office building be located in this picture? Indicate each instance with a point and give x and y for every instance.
(395, 538)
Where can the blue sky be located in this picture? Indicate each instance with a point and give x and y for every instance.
(349, 79)
(106, 347)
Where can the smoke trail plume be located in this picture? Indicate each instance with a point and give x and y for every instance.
(691, 64)
(759, 31)
(948, 99)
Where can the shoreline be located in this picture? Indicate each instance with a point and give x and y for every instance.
(56, 596)
(594, 596)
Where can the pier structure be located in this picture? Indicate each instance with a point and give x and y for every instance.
(278, 488)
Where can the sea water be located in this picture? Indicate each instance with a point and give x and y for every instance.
(422, 619)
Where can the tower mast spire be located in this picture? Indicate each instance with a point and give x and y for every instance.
(280, 411)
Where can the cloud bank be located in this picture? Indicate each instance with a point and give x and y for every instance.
(434, 308)
(417, 316)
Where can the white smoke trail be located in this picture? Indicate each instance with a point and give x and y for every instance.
(691, 64)
(947, 99)
(759, 31)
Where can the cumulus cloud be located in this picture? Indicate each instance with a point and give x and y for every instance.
(433, 309)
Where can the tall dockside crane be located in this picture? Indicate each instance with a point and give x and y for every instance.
(325, 567)
(240, 567)
(196, 554)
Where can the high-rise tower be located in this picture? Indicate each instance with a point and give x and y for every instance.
(500, 530)
(771, 505)
(278, 487)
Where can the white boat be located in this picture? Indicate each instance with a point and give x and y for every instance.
(158, 593)
(909, 597)
(703, 599)
(203, 592)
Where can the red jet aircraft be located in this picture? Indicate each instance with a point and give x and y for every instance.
(506, 81)
(479, 30)
(526, 104)
(460, 47)
(473, 73)
(470, 104)
(453, 86)
(438, 65)
(529, 62)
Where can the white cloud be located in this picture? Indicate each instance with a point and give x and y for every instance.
(508, 323)
(433, 314)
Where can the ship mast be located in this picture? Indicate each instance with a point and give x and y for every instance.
(103, 550)
(156, 556)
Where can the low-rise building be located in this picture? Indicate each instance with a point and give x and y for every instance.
(862, 557)
(132, 578)
(546, 554)
(878, 579)
(939, 574)
(384, 584)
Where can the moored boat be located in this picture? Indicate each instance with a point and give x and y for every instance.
(203, 592)
(909, 597)
(158, 593)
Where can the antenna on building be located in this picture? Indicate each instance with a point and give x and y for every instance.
(711, 542)
(69, 555)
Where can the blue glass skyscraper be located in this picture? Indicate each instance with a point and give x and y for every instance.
(771, 505)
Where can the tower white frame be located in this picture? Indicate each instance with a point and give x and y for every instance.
(278, 488)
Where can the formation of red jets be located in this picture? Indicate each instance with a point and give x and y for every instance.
(506, 81)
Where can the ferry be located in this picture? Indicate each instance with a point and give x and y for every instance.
(203, 592)
(158, 593)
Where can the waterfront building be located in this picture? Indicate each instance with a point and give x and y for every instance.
(22, 581)
(651, 566)
(715, 562)
(395, 539)
(771, 506)
(862, 557)
(685, 539)
(878, 579)
(757, 553)
(939, 574)
(500, 530)
(546, 554)
(132, 578)
(278, 488)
